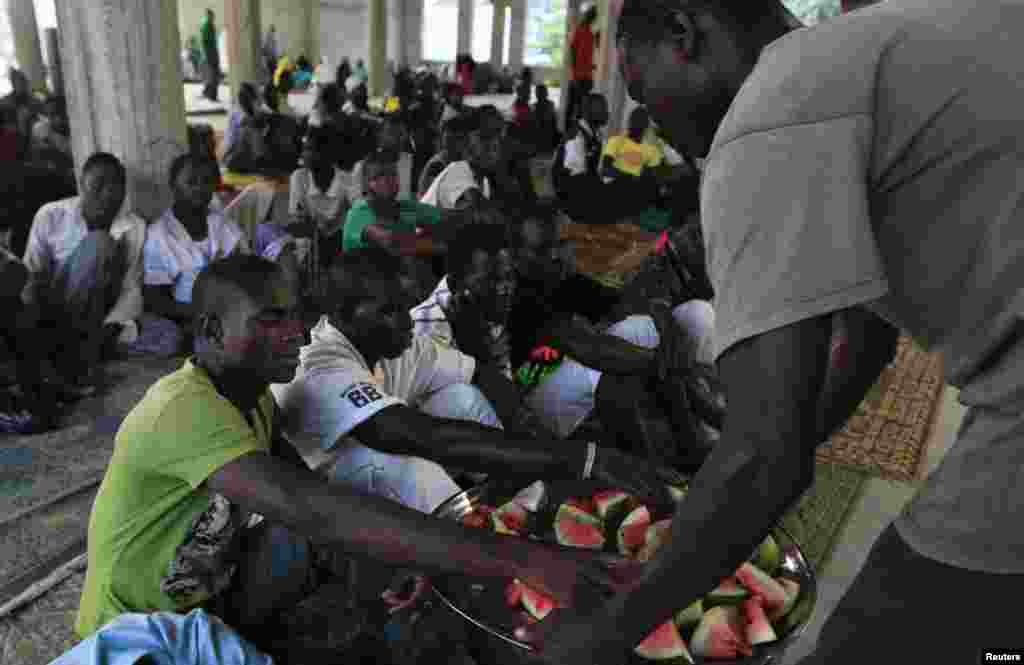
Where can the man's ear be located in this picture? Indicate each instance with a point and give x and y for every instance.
(209, 327)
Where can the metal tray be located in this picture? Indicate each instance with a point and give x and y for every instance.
(453, 591)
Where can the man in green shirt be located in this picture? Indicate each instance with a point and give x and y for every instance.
(381, 219)
(205, 505)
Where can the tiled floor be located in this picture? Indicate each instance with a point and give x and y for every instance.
(880, 504)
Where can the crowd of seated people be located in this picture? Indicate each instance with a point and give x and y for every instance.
(444, 337)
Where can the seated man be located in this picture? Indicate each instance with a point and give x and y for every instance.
(465, 183)
(84, 261)
(204, 505)
(401, 226)
(411, 404)
(392, 137)
(612, 370)
(575, 172)
(183, 241)
(51, 136)
(453, 149)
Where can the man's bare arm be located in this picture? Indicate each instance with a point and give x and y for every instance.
(605, 353)
(402, 430)
(403, 243)
(764, 462)
(361, 524)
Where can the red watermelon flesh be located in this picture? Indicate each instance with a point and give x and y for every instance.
(665, 643)
(536, 603)
(762, 584)
(759, 630)
(633, 531)
(721, 634)
(514, 593)
(509, 519)
(792, 589)
(575, 528)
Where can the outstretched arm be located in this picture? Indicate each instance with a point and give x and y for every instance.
(763, 463)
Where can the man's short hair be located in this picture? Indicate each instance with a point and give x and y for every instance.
(355, 277)
(105, 160)
(490, 236)
(654, 19)
(195, 160)
(215, 290)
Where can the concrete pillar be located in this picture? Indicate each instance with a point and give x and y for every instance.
(517, 34)
(414, 33)
(53, 61)
(465, 38)
(27, 51)
(122, 75)
(608, 78)
(397, 41)
(498, 34)
(571, 15)
(242, 24)
(378, 43)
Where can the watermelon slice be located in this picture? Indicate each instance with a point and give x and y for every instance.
(536, 603)
(691, 616)
(531, 497)
(721, 634)
(479, 517)
(510, 519)
(654, 538)
(768, 556)
(576, 528)
(610, 501)
(514, 593)
(665, 645)
(792, 589)
(759, 630)
(729, 592)
(762, 584)
(633, 531)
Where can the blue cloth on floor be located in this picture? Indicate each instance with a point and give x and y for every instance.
(165, 638)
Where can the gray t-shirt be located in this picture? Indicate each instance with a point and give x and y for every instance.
(878, 159)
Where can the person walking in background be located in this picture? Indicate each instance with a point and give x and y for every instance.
(211, 56)
(581, 60)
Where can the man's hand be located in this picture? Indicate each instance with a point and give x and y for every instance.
(575, 578)
(472, 333)
(636, 476)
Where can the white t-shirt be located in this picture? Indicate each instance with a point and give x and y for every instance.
(451, 184)
(335, 390)
(322, 206)
(172, 258)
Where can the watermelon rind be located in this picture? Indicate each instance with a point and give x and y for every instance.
(569, 512)
(722, 617)
(729, 592)
(636, 517)
(656, 536)
(792, 589)
(768, 556)
(537, 604)
(691, 616)
(610, 502)
(677, 493)
(761, 584)
(665, 645)
(499, 516)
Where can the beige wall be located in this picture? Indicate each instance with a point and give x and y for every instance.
(299, 29)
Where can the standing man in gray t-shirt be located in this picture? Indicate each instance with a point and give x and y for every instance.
(871, 165)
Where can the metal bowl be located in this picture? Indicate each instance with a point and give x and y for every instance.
(455, 592)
